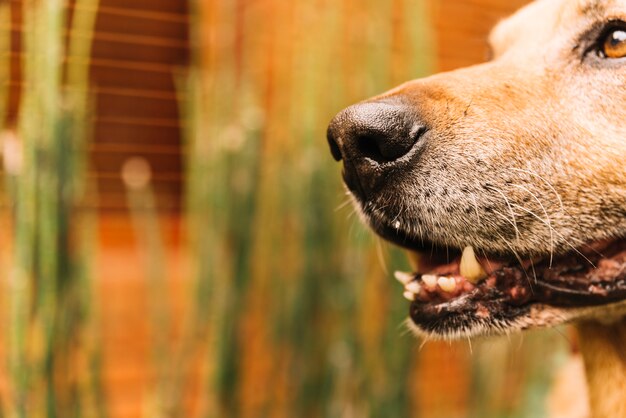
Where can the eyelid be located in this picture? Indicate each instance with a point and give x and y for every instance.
(609, 28)
(594, 37)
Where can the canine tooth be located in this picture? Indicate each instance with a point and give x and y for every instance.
(408, 295)
(447, 284)
(403, 277)
(430, 280)
(413, 287)
(470, 268)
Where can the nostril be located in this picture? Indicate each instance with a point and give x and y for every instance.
(389, 145)
(373, 146)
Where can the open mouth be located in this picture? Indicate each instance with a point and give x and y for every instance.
(452, 290)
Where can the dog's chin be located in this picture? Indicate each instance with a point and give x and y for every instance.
(458, 293)
(535, 315)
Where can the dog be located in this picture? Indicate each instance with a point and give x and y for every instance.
(506, 181)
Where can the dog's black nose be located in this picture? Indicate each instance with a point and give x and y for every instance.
(372, 138)
(380, 131)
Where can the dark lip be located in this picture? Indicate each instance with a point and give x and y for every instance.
(449, 317)
(402, 239)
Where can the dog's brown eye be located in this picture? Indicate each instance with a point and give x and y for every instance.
(614, 44)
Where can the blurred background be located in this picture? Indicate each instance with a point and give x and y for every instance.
(177, 242)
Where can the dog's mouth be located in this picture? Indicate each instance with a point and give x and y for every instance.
(456, 292)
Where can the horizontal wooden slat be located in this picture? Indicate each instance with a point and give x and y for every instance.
(168, 10)
(168, 179)
(130, 22)
(109, 105)
(176, 7)
(106, 162)
(123, 38)
(112, 50)
(136, 121)
(120, 21)
(112, 104)
(133, 50)
(109, 131)
(99, 65)
(129, 90)
(136, 148)
(166, 201)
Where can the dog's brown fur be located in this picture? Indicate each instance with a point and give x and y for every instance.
(581, 157)
(537, 137)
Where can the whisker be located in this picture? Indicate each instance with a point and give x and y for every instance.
(495, 189)
(556, 193)
(352, 213)
(504, 217)
(381, 255)
(558, 196)
(423, 344)
(560, 236)
(476, 210)
(343, 204)
(549, 223)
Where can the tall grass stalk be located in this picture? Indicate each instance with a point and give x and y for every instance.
(51, 335)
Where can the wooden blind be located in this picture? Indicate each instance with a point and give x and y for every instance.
(139, 47)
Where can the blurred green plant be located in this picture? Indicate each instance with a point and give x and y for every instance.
(53, 357)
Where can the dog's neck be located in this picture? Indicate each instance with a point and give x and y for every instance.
(604, 351)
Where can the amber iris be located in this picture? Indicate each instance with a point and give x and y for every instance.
(614, 45)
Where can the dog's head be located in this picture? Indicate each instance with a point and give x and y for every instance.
(506, 180)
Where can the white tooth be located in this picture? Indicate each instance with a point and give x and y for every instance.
(430, 280)
(410, 296)
(414, 260)
(413, 287)
(470, 268)
(447, 284)
(403, 277)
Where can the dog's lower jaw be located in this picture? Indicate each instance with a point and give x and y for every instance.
(603, 347)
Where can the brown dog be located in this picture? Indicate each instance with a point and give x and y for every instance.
(507, 181)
